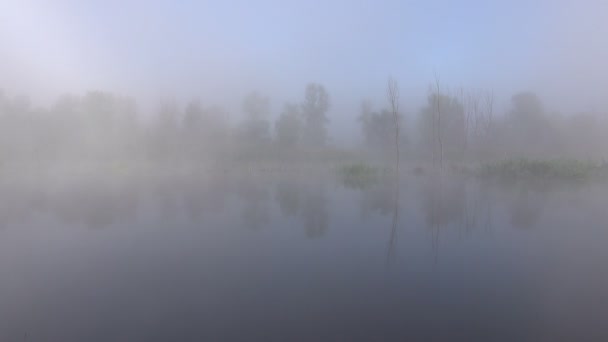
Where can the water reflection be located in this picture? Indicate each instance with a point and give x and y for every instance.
(256, 203)
(491, 274)
(525, 208)
(392, 241)
(306, 200)
(93, 204)
(167, 201)
(315, 212)
(288, 195)
(446, 203)
(378, 198)
(204, 197)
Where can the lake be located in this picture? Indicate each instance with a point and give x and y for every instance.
(280, 256)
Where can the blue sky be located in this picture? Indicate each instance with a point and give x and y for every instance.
(220, 50)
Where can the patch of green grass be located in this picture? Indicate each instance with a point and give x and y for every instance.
(358, 175)
(553, 169)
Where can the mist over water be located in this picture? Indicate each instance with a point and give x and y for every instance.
(158, 258)
(308, 171)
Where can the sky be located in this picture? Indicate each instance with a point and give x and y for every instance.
(218, 51)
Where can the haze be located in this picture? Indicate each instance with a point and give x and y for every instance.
(220, 51)
(303, 170)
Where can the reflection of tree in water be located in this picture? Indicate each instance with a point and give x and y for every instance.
(167, 201)
(379, 198)
(486, 206)
(288, 195)
(478, 202)
(203, 196)
(307, 201)
(525, 208)
(395, 225)
(256, 196)
(443, 204)
(95, 203)
(316, 216)
(382, 196)
(18, 202)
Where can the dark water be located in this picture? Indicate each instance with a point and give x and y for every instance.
(275, 257)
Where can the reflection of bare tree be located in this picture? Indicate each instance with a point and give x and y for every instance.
(471, 205)
(525, 209)
(256, 211)
(307, 201)
(201, 197)
(316, 216)
(93, 202)
(288, 197)
(17, 203)
(96, 209)
(395, 224)
(434, 221)
(478, 202)
(486, 197)
(378, 198)
(443, 204)
(167, 201)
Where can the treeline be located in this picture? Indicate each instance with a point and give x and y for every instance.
(101, 126)
(462, 125)
(453, 125)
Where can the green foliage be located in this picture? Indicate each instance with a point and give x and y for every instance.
(378, 127)
(447, 124)
(289, 126)
(561, 169)
(358, 176)
(314, 110)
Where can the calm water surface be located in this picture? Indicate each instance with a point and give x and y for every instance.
(277, 257)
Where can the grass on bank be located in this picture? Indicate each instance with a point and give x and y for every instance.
(358, 175)
(556, 169)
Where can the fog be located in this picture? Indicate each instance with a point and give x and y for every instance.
(221, 52)
(303, 170)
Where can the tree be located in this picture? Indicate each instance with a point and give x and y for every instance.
(192, 127)
(527, 125)
(193, 116)
(377, 127)
(289, 126)
(204, 129)
(478, 111)
(446, 132)
(392, 93)
(314, 110)
(256, 128)
(168, 116)
(165, 136)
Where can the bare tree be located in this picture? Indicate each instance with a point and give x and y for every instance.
(470, 100)
(392, 93)
(393, 99)
(478, 111)
(488, 110)
(438, 99)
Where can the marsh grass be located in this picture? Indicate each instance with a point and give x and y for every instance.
(555, 169)
(358, 175)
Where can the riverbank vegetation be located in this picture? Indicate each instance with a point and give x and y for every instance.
(454, 127)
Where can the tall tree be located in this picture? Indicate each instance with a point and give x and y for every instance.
(452, 129)
(289, 126)
(528, 126)
(377, 127)
(314, 109)
(256, 128)
(392, 93)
